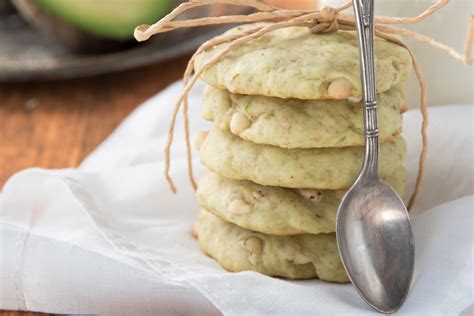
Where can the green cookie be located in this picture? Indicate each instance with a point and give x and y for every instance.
(294, 257)
(316, 168)
(293, 123)
(275, 210)
(295, 63)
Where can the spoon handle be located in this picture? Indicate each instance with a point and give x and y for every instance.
(364, 14)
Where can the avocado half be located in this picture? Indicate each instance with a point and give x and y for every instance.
(113, 19)
(92, 25)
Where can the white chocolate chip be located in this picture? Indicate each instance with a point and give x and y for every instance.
(257, 195)
(340, 89)
(254, 246)
(253, 258)
(199, 139)
(354, 99)
(238, 206)
(312, 194)
(301, 258)
(239, 123)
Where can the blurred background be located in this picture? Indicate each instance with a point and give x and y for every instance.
(58, 39)
(71, 71)
(449, 81)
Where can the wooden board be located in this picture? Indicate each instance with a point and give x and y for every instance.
(56, 124)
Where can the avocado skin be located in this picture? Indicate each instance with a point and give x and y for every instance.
(110, 19)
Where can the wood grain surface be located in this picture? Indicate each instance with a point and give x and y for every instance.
(57, 124)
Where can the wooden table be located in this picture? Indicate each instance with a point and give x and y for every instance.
(57, 124)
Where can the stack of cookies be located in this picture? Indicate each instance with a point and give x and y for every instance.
(287, 142)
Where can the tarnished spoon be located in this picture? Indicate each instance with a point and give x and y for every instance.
(373, 228)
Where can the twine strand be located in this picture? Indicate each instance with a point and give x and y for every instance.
(413, 20)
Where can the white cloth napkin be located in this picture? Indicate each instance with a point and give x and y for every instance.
(110, 238)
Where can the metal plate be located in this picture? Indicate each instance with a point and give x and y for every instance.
(26, 55)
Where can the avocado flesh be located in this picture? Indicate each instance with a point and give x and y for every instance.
(113, 19)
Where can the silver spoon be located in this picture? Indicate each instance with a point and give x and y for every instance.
(373, 228)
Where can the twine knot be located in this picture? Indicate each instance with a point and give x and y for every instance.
(326, 22)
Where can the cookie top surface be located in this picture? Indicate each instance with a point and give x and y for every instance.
(294, 123)
(316, 168)
(295, 63)
(275, 210)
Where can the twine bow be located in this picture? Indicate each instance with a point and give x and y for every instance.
(325, 20)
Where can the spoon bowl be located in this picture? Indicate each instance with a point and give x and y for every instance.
(375, 241)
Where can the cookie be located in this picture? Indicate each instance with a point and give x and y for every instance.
(317, 168)
(293, 257)
(293, 123)
(276, 210)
